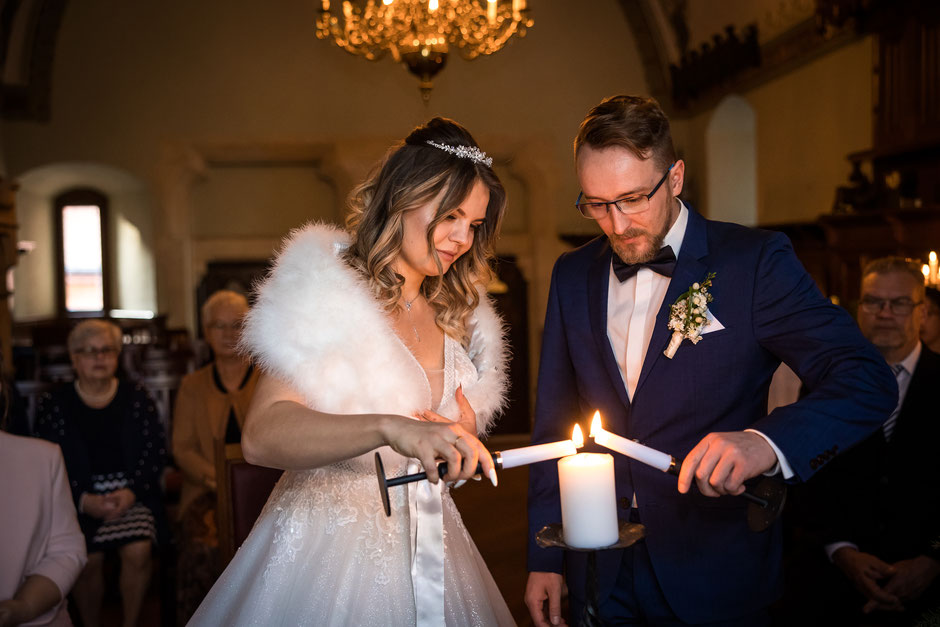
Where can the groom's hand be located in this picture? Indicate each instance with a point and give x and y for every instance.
(542, 587)
(722, 462)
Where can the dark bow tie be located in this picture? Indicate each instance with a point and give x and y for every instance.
(663, 263)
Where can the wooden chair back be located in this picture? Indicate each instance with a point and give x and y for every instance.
(243, 489)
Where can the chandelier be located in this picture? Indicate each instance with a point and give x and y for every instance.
(420, 33)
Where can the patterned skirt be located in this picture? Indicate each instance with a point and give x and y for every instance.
(137, 523)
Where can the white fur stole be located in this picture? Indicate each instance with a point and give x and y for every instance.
(316, 326)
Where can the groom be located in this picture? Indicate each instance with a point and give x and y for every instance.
(606, 329)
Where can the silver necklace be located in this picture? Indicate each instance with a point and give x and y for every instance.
(408, 304)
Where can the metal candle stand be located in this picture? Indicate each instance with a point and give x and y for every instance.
(552, 536)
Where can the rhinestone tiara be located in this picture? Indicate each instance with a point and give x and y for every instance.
(465, 152)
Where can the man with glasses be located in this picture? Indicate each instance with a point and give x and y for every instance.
(605, 344)
(882, 498)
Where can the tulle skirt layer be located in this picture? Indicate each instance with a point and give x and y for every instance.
(324, 553)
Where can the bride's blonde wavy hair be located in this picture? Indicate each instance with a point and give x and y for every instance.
(411, 175)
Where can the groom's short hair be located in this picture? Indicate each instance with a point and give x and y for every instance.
(632, 122)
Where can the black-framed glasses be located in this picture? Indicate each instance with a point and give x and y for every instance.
(627, 205)
(223, 326)
(95, 351)
(898, 306)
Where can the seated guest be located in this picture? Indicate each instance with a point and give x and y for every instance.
(930, 331)
(114, 450)
(882, 498)
(42, 549)
(210, 405)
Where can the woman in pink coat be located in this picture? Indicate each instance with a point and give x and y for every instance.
(42, 549)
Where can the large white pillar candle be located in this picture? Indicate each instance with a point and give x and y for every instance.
(588, 500)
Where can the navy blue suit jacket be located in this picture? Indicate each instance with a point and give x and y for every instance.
(883, 496)
(710, 566)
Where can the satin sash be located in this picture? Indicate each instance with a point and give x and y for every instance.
(427, 549)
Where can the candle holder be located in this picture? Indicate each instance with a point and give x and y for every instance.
(514, 457)
(765, 500)
(385, 483)
(552, 536)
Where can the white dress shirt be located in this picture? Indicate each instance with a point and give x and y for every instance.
(637, 301)
(632, 307)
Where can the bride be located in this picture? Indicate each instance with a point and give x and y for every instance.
(376, 338)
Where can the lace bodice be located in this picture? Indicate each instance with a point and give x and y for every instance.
(342, 498)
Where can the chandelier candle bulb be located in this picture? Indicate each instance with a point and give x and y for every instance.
(540, 452)
(633, 450)
(588, 500)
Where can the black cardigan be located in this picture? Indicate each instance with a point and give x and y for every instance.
(143, 445)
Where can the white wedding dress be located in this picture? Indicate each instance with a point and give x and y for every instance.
(323, 551)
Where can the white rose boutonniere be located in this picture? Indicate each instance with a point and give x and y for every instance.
(688, 315)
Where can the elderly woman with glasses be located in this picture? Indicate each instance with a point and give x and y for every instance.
(211, 405)
(114, 450)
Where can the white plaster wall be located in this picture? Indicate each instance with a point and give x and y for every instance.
(806, 123)
(731, 162)
(133, 283)
(33, 288)
(143, 86)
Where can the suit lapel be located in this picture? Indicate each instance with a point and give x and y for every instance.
(689, 269)
(598, 278)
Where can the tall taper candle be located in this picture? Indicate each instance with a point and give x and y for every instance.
(631, 449)
(541, 452)
(537, 453)
(588, 500)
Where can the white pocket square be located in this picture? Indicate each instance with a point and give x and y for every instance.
(712, 324)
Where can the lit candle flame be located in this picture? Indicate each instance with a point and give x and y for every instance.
(595, 424)
(933, 257)
(577, 437)
(432, 5)
(925, 269)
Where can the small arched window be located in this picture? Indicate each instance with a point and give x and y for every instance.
(81, 221)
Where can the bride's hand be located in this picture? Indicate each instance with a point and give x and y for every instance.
(430, 442)
(467, 418)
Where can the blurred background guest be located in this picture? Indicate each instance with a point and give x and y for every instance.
(211, 405)
(880, 501)
(930, 329)
(43, 549)
(114, 449)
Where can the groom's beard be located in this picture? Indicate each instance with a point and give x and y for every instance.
(646, 243)
(640, 250)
